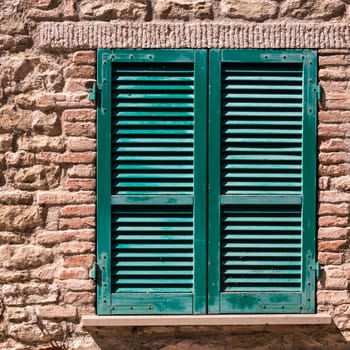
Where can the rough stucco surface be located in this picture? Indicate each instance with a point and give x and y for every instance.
(47, 162)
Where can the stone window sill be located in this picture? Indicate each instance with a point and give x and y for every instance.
(205, 320)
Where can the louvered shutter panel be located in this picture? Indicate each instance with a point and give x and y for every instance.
(262, 181)
(152, 181)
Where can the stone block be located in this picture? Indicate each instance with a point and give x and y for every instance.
(47, 124)
(81, 170)
(114, 9)
(81, 144)
(20, 218)
(50, 238)
(249, 10)
(24, 257)
(313, 9)
(38, 177)
(183, 9)
(74, 248)
(79, 115)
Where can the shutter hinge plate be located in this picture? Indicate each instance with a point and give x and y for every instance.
(93, 96)
(319, 92)
(92, 272)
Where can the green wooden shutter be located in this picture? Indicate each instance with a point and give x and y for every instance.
(152, 181)
(262, 181)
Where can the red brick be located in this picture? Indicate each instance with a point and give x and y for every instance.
(82, 171)
(78, 157)
(334, 116)
(334, 60)
(327, 258)
(334, 197)
(75, 248)
(335, 145)
(79, 115)
(333, 157)
(84, 57)
(77, 223)
(323, 183)
(80, 129)
(78, 85)
(77, 285)
(330, 130)
(49, 101)
(331, 246)
(333, 221)
(333, 233)
(78, 210)
(55, 237)
(79, 260)
(79, 71)
(61, 197)
(79, 298)
(81, 184)
(73, 273)
(57, 312)
(81, 144)
(334, 209)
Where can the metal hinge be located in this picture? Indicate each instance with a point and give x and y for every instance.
(317, 270)
(319, 92)
(93, 96)
(93, 271)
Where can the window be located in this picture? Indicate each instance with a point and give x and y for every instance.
(206, 181)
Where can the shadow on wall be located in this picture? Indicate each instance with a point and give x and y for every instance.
(220, 338)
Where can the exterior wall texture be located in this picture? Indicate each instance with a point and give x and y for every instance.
(48, 151)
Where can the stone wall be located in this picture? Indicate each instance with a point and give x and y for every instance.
(47, 174)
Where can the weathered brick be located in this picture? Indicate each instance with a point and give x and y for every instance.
(78, 171)
(333, 232)
(77, 285)
(74, 248)
(55, 237)
(333, 116)
(11, 238)
(77, 223)
(334, 197)
(332, 246)
(60, 100)
(337, 95)
(81, 144)
(334, 170)
(58, 158)
(57, 312)
(84, 57)
(334, 73)
(73, 273)
(80, 129)
(342, 183)
(79, 115)
(341, 209)
(325, 258)
(333, 145)
(18, 314)
(333, 297)
(47, 124)
(74, 85)
(79, 71)
(333, 157)
(79, 298)
(80, 184)
(41, 143)
(19, 159)
(327, 131)
(78, 210)
(45, 273)
(79, 260)
(334, 60)
(62, 197)
(334, 221)
(323, 182)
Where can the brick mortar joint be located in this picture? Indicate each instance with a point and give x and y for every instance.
(90, 35)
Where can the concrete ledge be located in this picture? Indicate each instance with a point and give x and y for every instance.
(92, 35)
(205, 320)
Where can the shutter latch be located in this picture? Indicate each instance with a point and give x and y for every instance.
(93, 271)
(93, 96)
(317, 268)
(319, 92)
